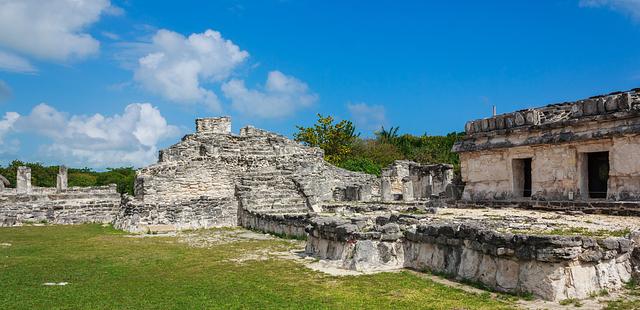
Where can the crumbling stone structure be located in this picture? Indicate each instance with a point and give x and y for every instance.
(549, 267)
(408, 181)
(583, 150)
(212, 178)
(60, 205)
(4, 182)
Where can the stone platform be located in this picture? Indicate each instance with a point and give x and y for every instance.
(553, 256)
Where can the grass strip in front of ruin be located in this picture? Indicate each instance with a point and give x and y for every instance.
(107, 269)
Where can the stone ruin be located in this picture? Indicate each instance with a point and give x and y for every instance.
(59, 205)
(577, 151)
(409, 181)
(4, 182)
(214, 178)
(264, 181)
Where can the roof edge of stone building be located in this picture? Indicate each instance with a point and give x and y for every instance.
(617, 107)
(558, 113)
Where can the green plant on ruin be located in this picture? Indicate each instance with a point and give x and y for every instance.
(336, 139)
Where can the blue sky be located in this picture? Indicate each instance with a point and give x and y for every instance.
(97, 83)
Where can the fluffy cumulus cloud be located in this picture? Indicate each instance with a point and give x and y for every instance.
(53, 30)
(629, 7)
(129, 138)
(281, 96)
(178, 67)
(368, 117)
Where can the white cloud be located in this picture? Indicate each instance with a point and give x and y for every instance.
(129, 138)
(6, 125)
(281, 96)
(14, 63)
(53, 29)
(110, 35)
(629, 7)
(369, 117)
(176, 67)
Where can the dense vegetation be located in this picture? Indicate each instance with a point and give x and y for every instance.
(45, 176)
(344, 148)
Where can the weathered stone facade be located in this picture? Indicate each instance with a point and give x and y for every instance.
(4, 182)
(408, 181)
(257, 171)
(61, 205)
(550, 267)
(550, 153)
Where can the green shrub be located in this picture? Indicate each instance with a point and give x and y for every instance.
(360, 164)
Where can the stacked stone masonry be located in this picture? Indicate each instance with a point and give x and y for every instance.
(61, 205)
(257, 171)
(555, 145)
(550, 267)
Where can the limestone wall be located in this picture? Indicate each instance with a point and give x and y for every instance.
(288, 225)
(408, 181)
(75, 205)
(203, 212)
(256, 170)
(557, 141)
(550, 267)
(558, 171)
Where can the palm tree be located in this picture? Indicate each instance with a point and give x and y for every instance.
(387, 136)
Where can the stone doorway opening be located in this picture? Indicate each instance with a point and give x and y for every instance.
(597, 174)
(522, 177)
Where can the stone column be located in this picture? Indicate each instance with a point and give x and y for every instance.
(23, 180)
(407, 189)
(61, 184)
(385, 189)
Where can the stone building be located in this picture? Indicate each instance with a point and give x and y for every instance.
(212, 176)
(408, 181)
(584, 150)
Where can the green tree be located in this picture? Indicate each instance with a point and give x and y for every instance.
(336, 139)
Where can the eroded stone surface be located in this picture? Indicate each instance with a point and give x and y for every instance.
(556, 138)
(256, 171)
(553, 267)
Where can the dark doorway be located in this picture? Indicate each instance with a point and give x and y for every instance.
(522, 177)
(598, 167)
(526, 191)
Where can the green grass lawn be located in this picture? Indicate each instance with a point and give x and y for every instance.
(107, 269)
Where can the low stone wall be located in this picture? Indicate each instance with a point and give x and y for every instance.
(628, 208)
(550, 267)
(292, 225)
(204, 212)
(75, 205)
